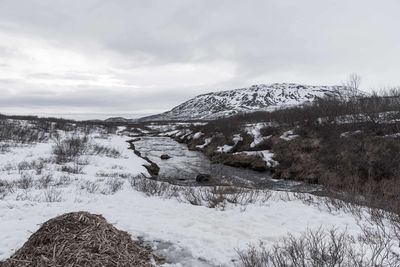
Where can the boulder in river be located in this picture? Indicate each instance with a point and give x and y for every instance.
(153, 169)
(203, 177)
(165, 156)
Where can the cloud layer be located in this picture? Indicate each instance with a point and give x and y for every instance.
(141, 57)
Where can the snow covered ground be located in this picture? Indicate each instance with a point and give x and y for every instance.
(254, 130)
(196, 235)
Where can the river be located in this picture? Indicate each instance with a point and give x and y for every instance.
(184, 165)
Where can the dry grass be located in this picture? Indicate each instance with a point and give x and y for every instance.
(79, 239)
(208, 196)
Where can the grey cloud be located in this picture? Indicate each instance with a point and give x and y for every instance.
(66, 76)
(321, 40)
(98, 99)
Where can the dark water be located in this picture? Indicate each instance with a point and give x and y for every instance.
(184, 165)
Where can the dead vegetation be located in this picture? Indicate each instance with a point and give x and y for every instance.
(208, 196)
(361, 164)
(376, 244)
(70, 148)
(79, 239)
(20, 132)
(348, 144)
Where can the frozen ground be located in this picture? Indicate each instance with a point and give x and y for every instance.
(187, 235)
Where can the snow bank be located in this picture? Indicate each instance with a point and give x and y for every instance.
(198, 135)
(209, 234)
(288, 135)
(206, 143)
(227, 148)
(266, 155)
(254, 130)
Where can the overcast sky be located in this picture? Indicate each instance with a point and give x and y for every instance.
(138, 57)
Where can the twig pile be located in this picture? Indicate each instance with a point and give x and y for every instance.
(79, 239)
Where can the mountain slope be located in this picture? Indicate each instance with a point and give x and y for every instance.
(254, 98)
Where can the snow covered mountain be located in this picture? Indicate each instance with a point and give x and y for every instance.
(254, 98)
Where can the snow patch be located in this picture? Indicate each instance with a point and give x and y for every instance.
(206, 143)
(266, 155)
(288, 135)
(197, 135)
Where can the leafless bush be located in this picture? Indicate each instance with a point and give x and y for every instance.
(23, 166)
(70, 148)
(325, 248)
(379, 236)
(312, 248)
(90, 187)
(151, 187)
(113, 174)
(12, 130)
(76, 167)
(63, 180)
(25, 182)
(212, 197)
(38, 166)
(5, 188)
(192, 196)
(52, 195)
(4, 148)
(44, 181)
(113, 186)
(105, 151)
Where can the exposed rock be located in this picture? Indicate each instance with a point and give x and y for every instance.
(203, 177)
(259, 165)
(153, 168)
(165, 156)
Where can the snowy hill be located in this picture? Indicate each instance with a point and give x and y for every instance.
(254, 98)
(117, 120)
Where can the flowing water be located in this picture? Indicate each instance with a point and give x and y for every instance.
(184, 165)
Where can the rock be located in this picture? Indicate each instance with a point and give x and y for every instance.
(259, 165)
(153, 169)
(203, 177)
(165, 156)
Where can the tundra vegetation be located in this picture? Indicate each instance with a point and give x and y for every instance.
(347, 145)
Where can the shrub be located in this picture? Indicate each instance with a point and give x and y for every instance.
(325, 249)
(70, 148)
(105, 151)
(23, 166)
(91, 187)
(63, 180)
(13, 130)
(25, 182)
(52, 195)
(270, 130)
(113, 185)
(5, 189)
(44, 181)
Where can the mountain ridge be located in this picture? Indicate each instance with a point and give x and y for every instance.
(261, 97)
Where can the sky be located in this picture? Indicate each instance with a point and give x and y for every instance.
(100, 58)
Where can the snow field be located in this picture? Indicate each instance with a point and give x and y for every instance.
(200, 236)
